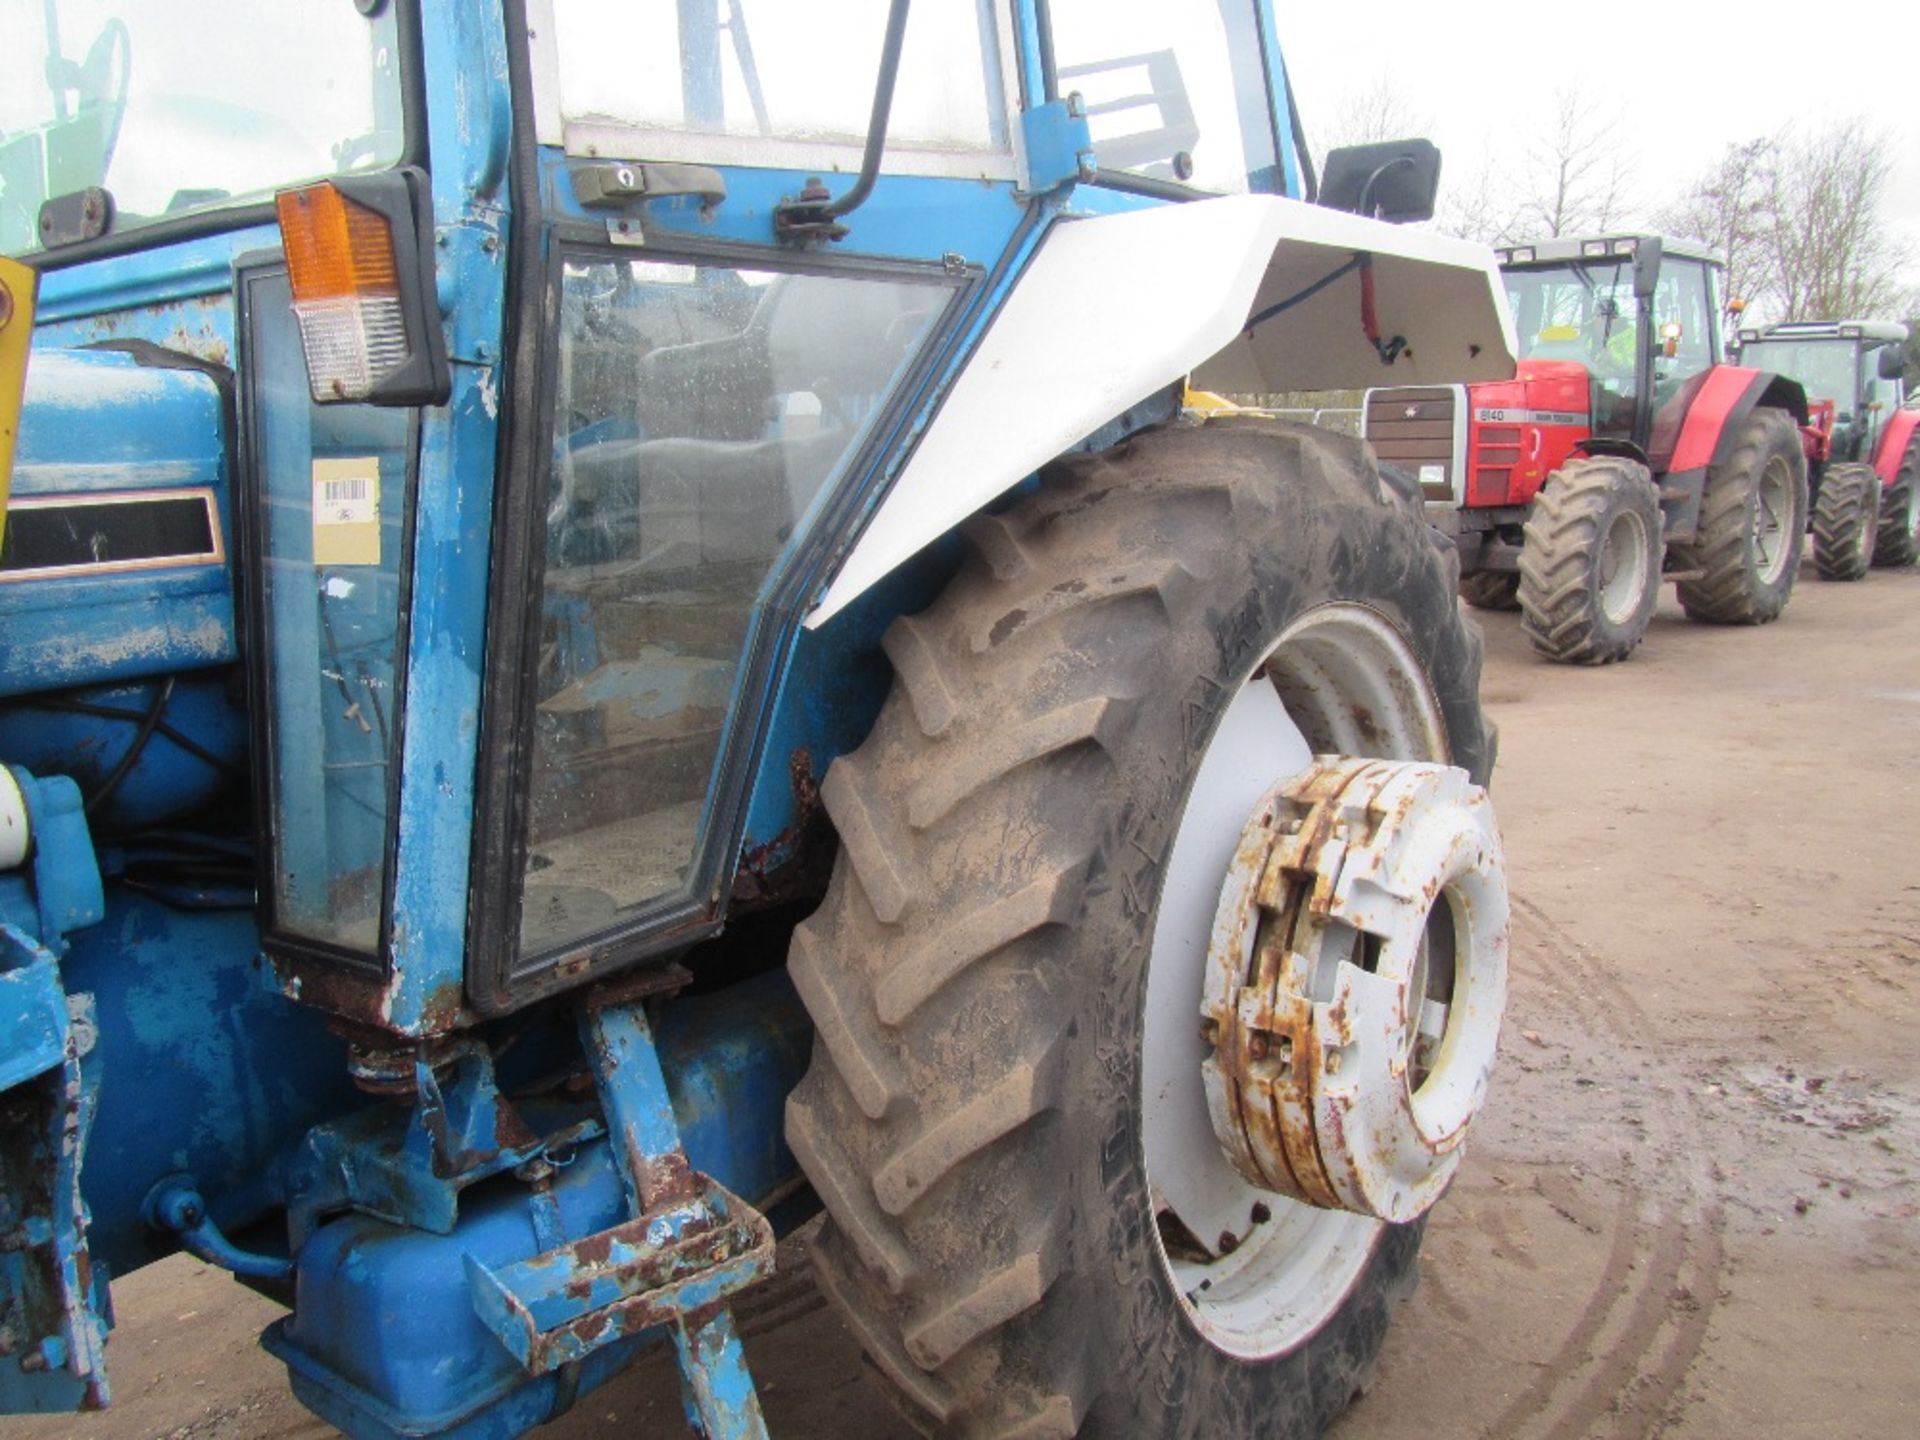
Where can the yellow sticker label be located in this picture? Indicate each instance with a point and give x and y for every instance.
(346, 511)
(17, 289)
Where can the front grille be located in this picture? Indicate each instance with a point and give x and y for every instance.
(1413, 429)
(1497, 459)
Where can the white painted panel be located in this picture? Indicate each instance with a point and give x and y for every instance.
(1116, 306)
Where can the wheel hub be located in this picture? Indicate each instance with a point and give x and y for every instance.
(1354, 985)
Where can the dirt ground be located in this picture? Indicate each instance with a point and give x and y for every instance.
(1694, 1206)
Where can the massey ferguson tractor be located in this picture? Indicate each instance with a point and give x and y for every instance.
(1625, 452)
(612, 633)
(1864, 463)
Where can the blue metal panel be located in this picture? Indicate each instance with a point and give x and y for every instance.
(1059, 144)
(380, 1309)
(1291, 182)
(125, 284)
(1026, 24)
(836, 678)
(467, 123)
(203, 1071)
(908, 216)
(33, 1009)
(166, 782)
(200, 326)
(99, 421)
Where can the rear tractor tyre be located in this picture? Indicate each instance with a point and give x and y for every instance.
(1491, 589)
(1846, 522)
(1007, 971)
(1590, 561)
(1899, 542)
(1753, 521)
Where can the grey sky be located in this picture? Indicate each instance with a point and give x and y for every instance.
(1686, 78)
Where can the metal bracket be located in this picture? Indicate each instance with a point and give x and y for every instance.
(1058, 144)
(690, 1245)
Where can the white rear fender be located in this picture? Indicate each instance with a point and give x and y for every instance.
(1114, 307)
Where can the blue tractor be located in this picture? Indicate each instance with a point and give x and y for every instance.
(615, 629)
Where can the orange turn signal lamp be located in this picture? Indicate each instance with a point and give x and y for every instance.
(363, 290)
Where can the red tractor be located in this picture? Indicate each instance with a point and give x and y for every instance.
(1865, 449)
(1625, 451)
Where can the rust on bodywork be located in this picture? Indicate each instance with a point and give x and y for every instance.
(796, 861)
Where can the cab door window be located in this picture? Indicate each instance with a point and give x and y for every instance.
(1682, 320)
(1172, 93)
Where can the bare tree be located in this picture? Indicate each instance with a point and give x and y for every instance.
(1799, 217)
(1573, 174)
(1379, 112)
(1474, 204)
(1730, 207)
(1831, 250)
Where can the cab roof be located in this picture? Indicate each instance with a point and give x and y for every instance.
(1877, 332)
(1594, 247)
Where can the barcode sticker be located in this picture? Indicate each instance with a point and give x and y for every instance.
(346, 511)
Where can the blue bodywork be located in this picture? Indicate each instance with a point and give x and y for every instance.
(477, 1206)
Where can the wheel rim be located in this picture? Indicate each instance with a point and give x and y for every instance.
(1258, 1273)
(1913, 513)
(1773, 520)
(1623, 567)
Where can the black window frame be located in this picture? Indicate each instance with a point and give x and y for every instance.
(250, 519)
(499, 978)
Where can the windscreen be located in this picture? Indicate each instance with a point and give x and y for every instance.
(1583, 311)
(1826, 369)
(175, 108)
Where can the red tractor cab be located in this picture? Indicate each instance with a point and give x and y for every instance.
(1624, 451)
(1863, 445)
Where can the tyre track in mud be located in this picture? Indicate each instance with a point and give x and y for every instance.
(1620, 1368)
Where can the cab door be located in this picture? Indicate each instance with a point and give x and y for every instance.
(1685, 344)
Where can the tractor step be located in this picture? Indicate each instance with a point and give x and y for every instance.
(670, 1265)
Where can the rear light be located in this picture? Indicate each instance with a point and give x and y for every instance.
(362, 290)
(1521, 255)
(1593, 247)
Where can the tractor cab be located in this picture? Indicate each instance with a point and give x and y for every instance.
(1636, 312)
(1853, 372)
